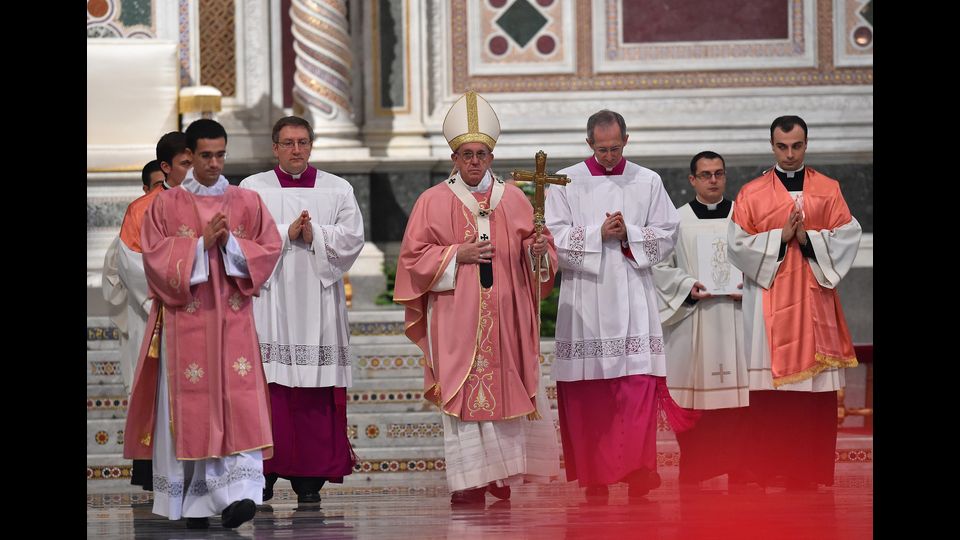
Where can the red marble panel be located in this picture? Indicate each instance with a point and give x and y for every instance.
(657, 21)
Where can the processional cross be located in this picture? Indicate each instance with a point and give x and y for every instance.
(540, 179)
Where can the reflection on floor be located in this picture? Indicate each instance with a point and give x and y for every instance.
(844, 510)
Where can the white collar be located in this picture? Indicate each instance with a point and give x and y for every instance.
(295, 176)
(710, 206)
(484, 184)
(193, 186)
(789, 173)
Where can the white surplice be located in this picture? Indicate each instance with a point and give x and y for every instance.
(706, 365)
(607, 318)
(301, 313)
(125, 286)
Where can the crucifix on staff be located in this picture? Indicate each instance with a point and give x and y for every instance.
(540, 179)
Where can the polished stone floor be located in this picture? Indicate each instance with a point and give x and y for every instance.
(844, 510)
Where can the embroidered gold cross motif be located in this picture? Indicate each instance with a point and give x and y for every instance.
(186, 232)
(240, 232)
(193, 373)
(235, 301)
(193, 306)
(242, 366)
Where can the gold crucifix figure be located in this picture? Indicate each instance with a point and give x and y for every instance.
(540, 179)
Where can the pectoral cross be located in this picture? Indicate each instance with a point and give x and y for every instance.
(721, 373)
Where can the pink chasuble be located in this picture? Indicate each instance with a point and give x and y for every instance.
(219, 403)
(482, 353)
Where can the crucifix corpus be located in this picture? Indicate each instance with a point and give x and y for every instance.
(540, 179)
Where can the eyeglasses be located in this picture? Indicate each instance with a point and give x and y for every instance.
(468, 155)
(705, 175)
(303, 143)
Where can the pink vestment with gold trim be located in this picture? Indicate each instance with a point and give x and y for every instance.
(218, 393)
(482, 351)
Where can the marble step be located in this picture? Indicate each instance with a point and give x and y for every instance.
(400, 429)
(109, 473)
(106, 401)
(105, 436)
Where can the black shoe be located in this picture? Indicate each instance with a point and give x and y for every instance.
(198, 523)
(469, 496)
(641, 482)
(309, 498)
(502, 493)
(597, 494)
(237, 513)
(269, 480)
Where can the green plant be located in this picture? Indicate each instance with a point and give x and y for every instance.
(548, 310)
(390, 271)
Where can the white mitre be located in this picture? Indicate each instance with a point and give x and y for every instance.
(471, 119)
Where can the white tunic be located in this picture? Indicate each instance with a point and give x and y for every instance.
(607, 322)
(706, 365)
(301, 313)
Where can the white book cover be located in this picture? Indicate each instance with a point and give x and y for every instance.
(716, 272)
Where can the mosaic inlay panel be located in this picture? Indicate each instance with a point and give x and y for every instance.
(103, 333)
(717, 72)
(106, 367)
(107, 403)
(616, 47)
(376, 328)
(109, 472)
(218, 55)
(423, 429)
(525, 36)
(664, 459)
(121, 19)
(384, 396)
(853, 32)
(399, 465)
(390, 362)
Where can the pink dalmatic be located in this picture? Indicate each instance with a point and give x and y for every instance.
(482, 351)
(218, 392)
(805, 326)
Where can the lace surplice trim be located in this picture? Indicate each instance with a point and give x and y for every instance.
(577, 242)
(331, 254)
(305, 355)
(235, 475)
(608, 348)
(651, 247)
